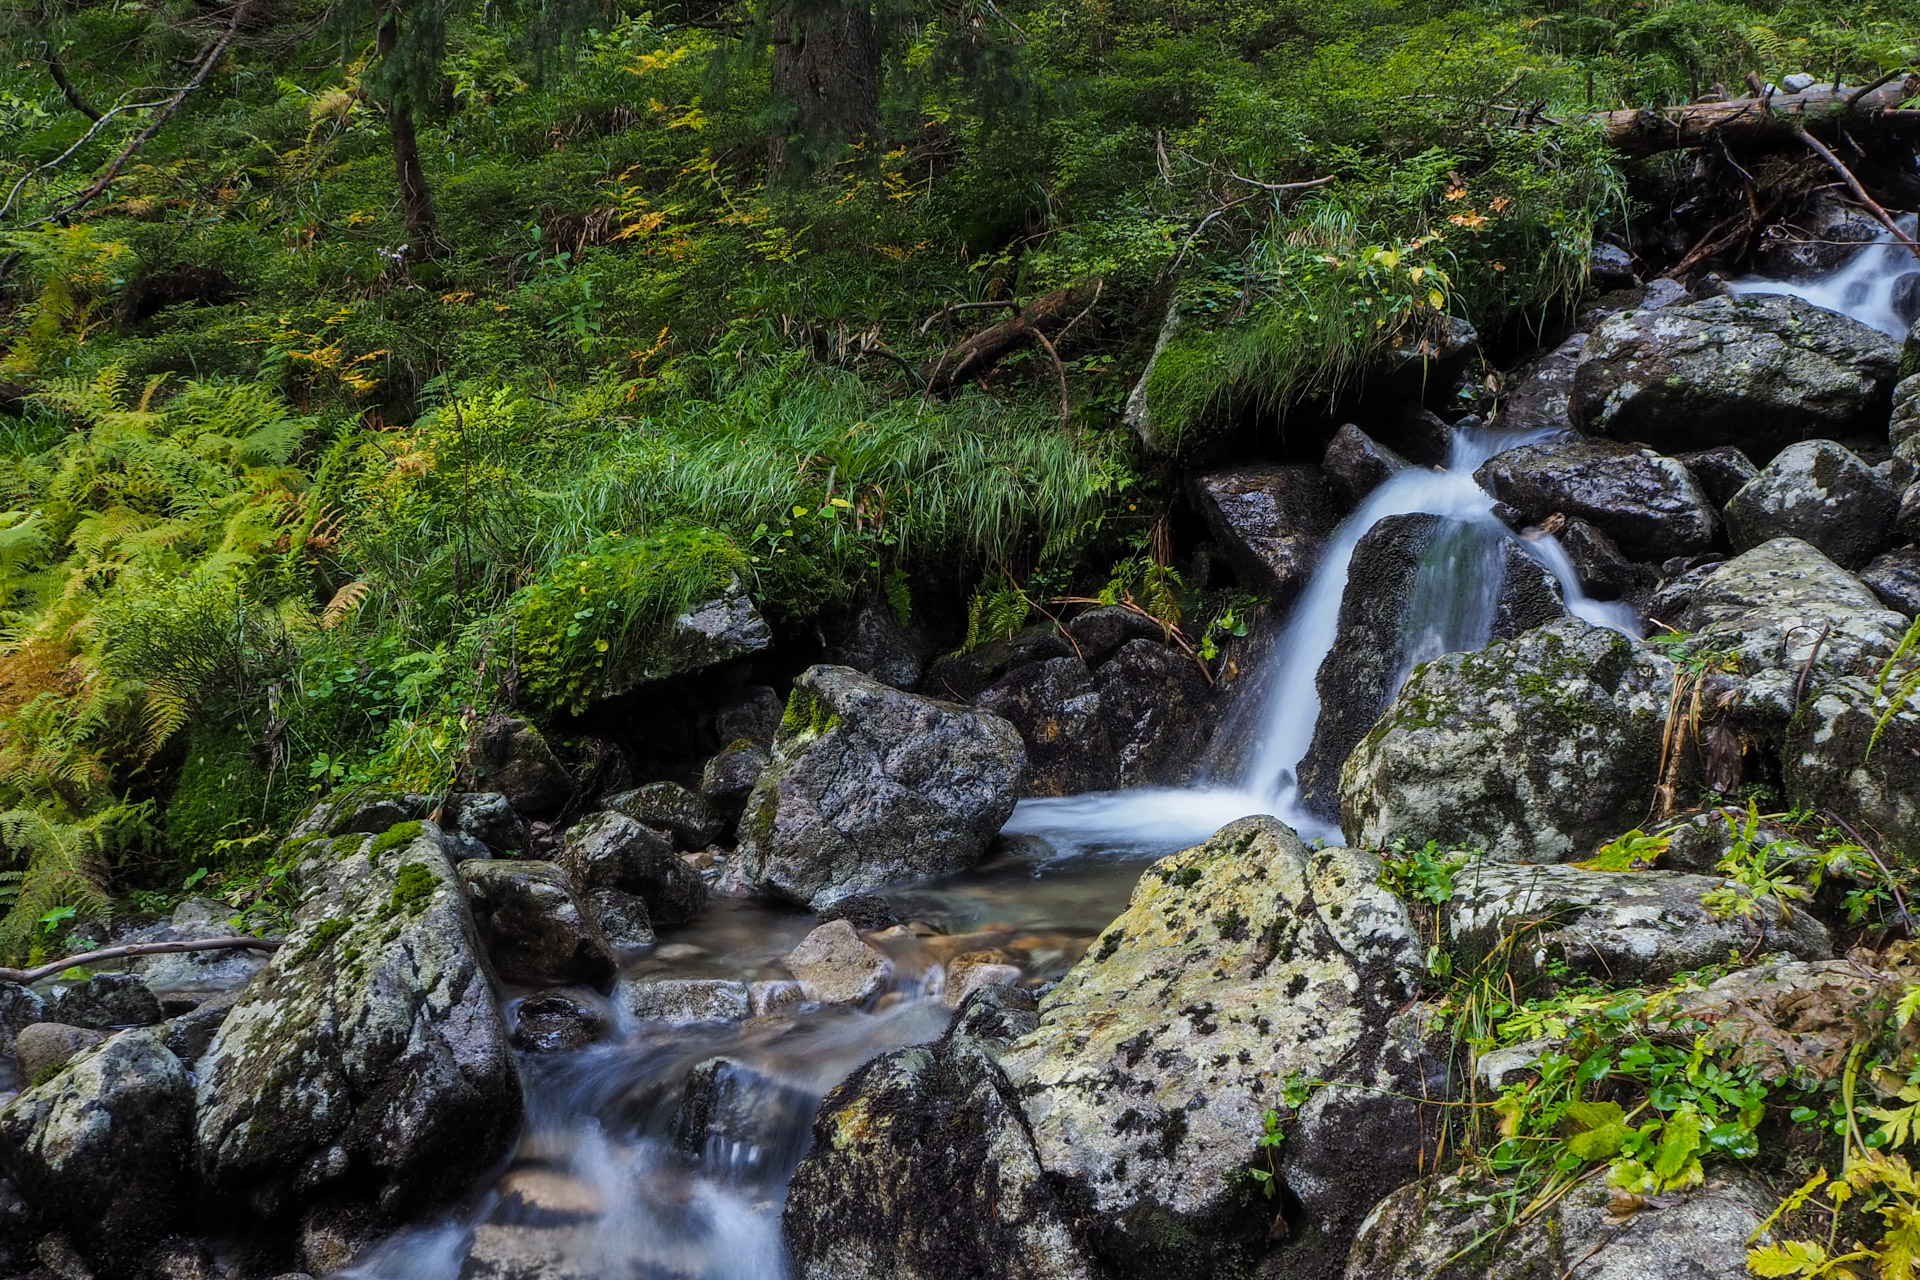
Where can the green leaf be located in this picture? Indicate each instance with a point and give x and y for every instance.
(1788, 1258)
(1604, 1130)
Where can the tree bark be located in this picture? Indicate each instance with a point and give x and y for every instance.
(1781, 117)
(416, 198)
(826, 68)
(66, 86)
(974, 356)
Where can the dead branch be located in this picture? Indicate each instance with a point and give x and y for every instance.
(974, 356)
(1643, 131)
(1066, 412)
(29, 976)
(1860, 193)
(84, 139)
(67, 90)
(950, 308)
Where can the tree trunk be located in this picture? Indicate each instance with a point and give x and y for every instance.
(826, 68)
(1818, 111)
(416, 199)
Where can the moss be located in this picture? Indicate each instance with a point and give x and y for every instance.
(392, 838)
(807, 715)
(323, 937)
(412, 889)
(222, 792)
(348, 845)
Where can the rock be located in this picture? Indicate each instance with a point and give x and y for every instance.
(959, 677)
(727, 1112)
(1537, 397)
(1099, 632)
(1895, 578)
(975, 971)
(557, 1021)
(870, 785)
(1417, 433)
(509, 756)
(1610, 267)
(611, 851)
(1903, 424)
(653, 999)
(104, 1000)
(1056, 709)
(1535, 749)
(669, 807)
(1604, 571)
(367, 1064)
(178, 1259)
(1434, 357)
(1646, 503)
(196, 972)
(728, 778)
(20, 1008)
(190, 1034)
(1817, 241)
(1237, 966)
(534, 930)
(753, 714)
(933, 1116)
(765, 998)
(1450, 1231)
(1270, 521)
(1356, 464)
(360, 810)
(873, 641)
(1821, 493)
(861, 910)
(1404, 569)
(720, 630)
(1720, 473)
(834, 966)
(1618, 927)
(1155, 702)
(1830, 760)
(42, 1048)
(622, 918)
(1792, 1021)
(488, 817)
(102, 1149)
(1758, 371)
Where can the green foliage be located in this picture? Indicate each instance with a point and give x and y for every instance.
(1424, 875)
(394, 837)
(1634, 851)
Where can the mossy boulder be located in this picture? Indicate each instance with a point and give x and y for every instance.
(869, 785)
(1822, 493)
(1535, 749)
(1831, 759)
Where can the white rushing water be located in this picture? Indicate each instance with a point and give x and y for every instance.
(1871, 286)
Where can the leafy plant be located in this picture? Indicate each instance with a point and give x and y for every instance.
(1424, 875)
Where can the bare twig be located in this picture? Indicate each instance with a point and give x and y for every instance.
(1281, 186)
(1860, 193)
(1858, 94)
(26, 976)
(99, 122)
(1098, 287)
(952, 307)
(67, 91)
(1066, 411)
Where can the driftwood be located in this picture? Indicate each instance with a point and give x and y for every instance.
(974, 356)
(1777, 116)
(136, 949)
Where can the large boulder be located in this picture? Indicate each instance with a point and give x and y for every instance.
(1453, 1230)
(1403, 605)
(1057, 710)
(1823, 494)
(1239, 965)
(1720, 473)
(609, 850)
(716, 631)
(1854, 747)
(1646, 503)
(671, 808)
(869, 785)
(1356, 464)
(535, 931)
(1536, 399)
(1895, 578)
(103, 1001)
(368, 1062)
(1535, 749)
(1758, 371)
(873, 640)
(102, 1149)
(1154, 700)
(1271, 521)
(508, 756)
(487, 818)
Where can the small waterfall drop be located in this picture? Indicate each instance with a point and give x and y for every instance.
(1879, 286)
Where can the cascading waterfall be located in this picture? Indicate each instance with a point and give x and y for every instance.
(1879, 286)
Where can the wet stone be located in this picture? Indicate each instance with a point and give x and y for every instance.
(559, 1020)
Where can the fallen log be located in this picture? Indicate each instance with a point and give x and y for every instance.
(974, 356)
(26, 976)
(1780, 116)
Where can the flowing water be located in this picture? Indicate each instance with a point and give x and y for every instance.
(1877, 286)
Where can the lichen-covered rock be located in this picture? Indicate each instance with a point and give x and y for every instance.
(1055, 706)
(959, 677)
(728, 777)
(102, 1149)
(921, 1168)
(1831, 761)
(535, 931)
(1403, 568)
(1823, 494)
(1237, 965)
(655, 999)
(1895, 579)
(1449, 1231)
(670, 807)
(1647, 503)
(368, 1062)
(1271, 521)
(42, 1048)
(1534, 749)
(609, 850)
(190, 1034)
(622, 918)
(360, 810)
(510, 757)
(1758, 371)
(489, 818)
(870, 785)
(102, 1001)
(1617, 927)
(835, 966)
(1100, 632)
(1356, 464)
(1154, 700)
(719, 630)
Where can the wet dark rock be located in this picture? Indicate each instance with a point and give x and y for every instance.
(622, 918)
(104, 1000)
(367, 1065)
(1154, 701)
(870, 785)
(611, 851)
(42, 1048)
(1720, 473)
(1536, 397)
(1356, 464)
(1415, 432)
(1815, 242)
(753, 714)
(190, 1034)
(873, 640)
(1895, 578)
(20, 1007)
(728, 1111)
(1903, 431)
(510, 757)
(1904, 297)
(488, 817)
(1646, 503)
(1270, 521)
(558, 1021)
(728, 778)
(1405, 572)
(959, 677)
(862, 911)
(536, 933)
(1055, 706)
(670, 807)
(1610, 267)
(102, 1149)
(1823, 494)
(1100, 632)
(1604, 571)
(1759, 371)
(1672, 597)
